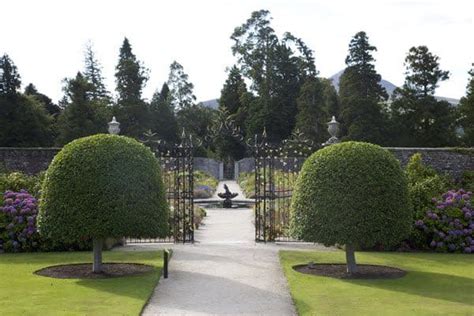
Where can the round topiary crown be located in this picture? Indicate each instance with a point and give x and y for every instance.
(351, 193)
(103, 186)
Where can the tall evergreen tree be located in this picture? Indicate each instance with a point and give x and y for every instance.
(82, 116)
(93, 73)
(23, 119)
(232, 91)
(233, 107)
(331, 99)
(10, 80)
(131, 77)
(163, 119)
(418, 118)
(422, 72)
(466, 110)
(312, 117)
(361, 94)
(180, 87)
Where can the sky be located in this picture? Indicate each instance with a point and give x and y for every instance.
(46, 39)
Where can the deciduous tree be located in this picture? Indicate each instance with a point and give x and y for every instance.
(180, 87)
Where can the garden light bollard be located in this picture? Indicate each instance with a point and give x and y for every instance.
(114, 126)
(333, 129)
(166, 258)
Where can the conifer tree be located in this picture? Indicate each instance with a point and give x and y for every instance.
(82, 115)
(24, 121)
(466, 110)
(419, 119)
(163, 118)
(233, 108)
(312, 117)
(131, 77)
(361, 94)
(422, 72)
(331, 99)
(10, 79)
(93, 73)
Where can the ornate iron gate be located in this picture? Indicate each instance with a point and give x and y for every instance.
(276, 169)
(177, 166)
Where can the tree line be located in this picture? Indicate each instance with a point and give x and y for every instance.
(30, 118)
(274, 85)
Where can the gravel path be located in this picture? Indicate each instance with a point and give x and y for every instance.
(224, 273)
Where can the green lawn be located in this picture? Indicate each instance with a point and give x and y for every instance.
(436, 284)
(22, 292)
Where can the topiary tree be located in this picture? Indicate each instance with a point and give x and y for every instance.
(353, 194)
(103, 186)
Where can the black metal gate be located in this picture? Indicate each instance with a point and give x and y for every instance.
(177, 171)
(276, 170)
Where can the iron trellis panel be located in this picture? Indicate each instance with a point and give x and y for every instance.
(177, 165)
(276, 169)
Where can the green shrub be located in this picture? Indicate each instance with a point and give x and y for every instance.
(204, 184)
(421, 194)
(246, 181)
(467, 180)
(423, 184)
(416, 170)
(354, 194)
(17, 181)
(103, 186)
(199, 214)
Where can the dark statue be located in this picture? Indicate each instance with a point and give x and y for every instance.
(228, 196)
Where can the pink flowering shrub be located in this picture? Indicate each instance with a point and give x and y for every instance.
(18, 222)
(449, 226)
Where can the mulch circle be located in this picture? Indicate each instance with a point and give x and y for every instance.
(338, 271)
(84, 270)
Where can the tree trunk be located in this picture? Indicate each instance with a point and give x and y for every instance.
(350, 259)
(97, 265)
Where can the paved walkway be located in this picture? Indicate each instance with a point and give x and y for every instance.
(224, 273)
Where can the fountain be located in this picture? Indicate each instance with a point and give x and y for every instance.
(228, 196)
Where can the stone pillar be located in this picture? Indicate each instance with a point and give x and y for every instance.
(236, 170)
(221, 171)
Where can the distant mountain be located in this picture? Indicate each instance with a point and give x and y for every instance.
(213, 104)
(389, 87)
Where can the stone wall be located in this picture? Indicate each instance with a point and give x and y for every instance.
(446, 160)
(34, 160)
(27, 160)
(244, 165)
(211, 166)
(452, 161)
